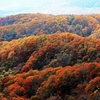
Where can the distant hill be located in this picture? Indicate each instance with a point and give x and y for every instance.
(22, 25)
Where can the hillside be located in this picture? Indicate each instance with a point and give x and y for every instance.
(61, 66)
(23, 25)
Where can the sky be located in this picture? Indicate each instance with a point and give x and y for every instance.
(56, 7)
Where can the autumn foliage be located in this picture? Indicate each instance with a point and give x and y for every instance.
(62, 81)
(22, 25)
(47, 66)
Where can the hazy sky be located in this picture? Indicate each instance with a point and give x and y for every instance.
(8, 7)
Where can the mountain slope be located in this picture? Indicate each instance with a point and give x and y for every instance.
(61, 83)
(40, 60)
(37, 52)
(17, 26)
(49, 67)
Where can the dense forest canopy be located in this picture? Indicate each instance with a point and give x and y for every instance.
(22, 25)
(49, 57)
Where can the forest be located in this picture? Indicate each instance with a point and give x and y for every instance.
(23, 25)
(50, 57)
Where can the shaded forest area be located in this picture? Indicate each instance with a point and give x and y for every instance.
(47, 57)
